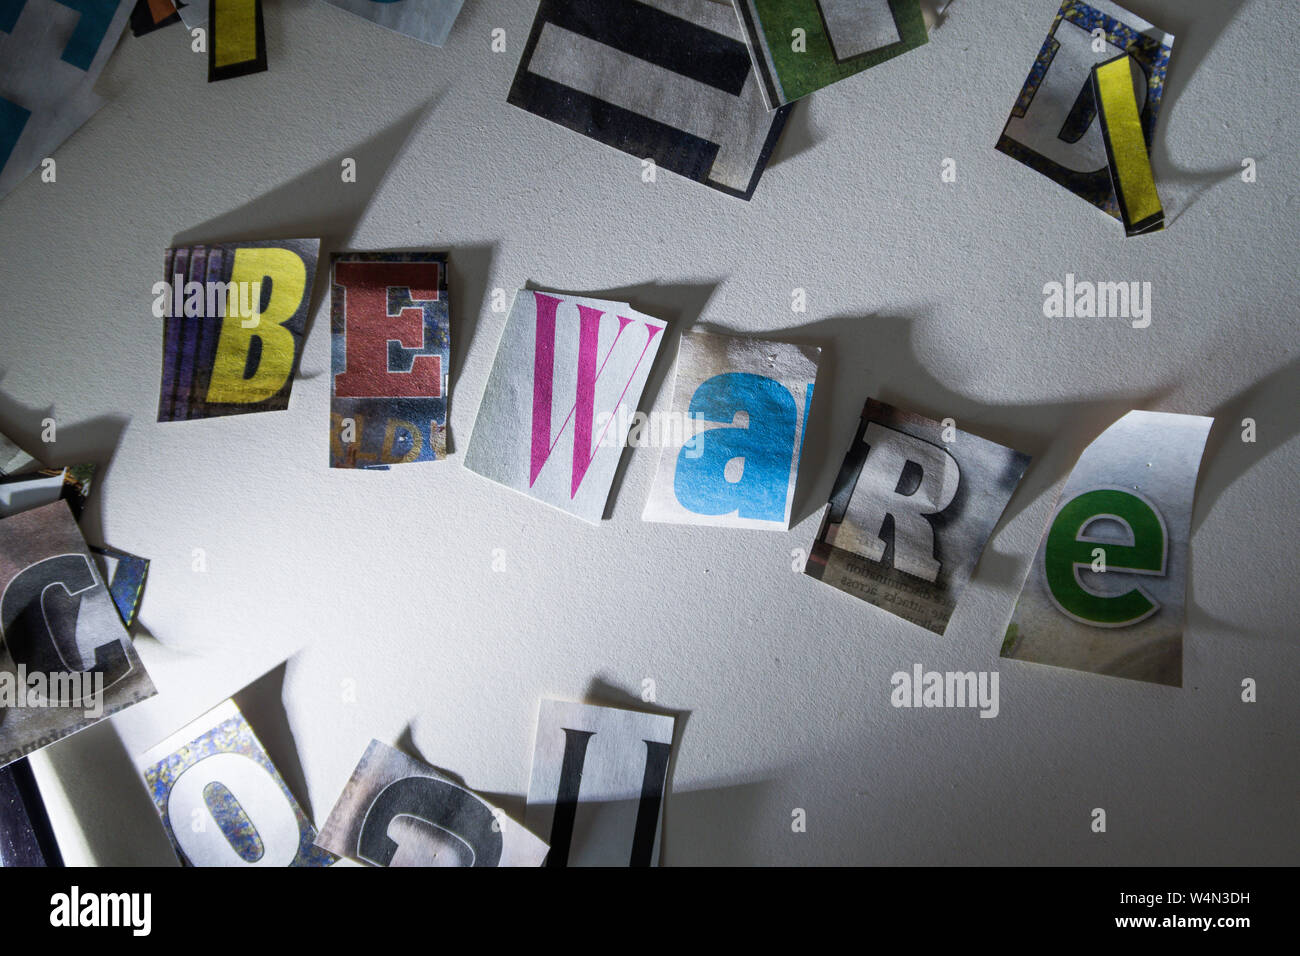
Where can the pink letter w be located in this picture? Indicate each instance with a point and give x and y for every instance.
(589, 371)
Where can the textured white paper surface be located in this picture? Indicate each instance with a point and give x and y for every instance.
(926, 294)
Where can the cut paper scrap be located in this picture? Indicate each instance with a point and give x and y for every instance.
(222, 801)
(32, 489)
(26, 837)
(234, 316)
(125, 574)
(567, 378)
(1126, 147)
(194, 14)
(66, 661)
(13, 460)
(1106, 591)
(664, 80)
(910, 512)
(237, 46)
(390, 340)
(597, 785)
(732, 442)
(1055, 125)
(150, 15)
(51, 54)
(799, 46)
(33, 486)
(398, 811)
(428, 21)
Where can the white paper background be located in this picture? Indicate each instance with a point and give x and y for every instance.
(925, 294)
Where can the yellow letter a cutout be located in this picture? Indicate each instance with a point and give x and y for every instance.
(1126, 147)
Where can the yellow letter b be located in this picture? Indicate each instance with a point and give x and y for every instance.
(237, 378)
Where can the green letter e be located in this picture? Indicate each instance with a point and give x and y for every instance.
(1069, 549)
